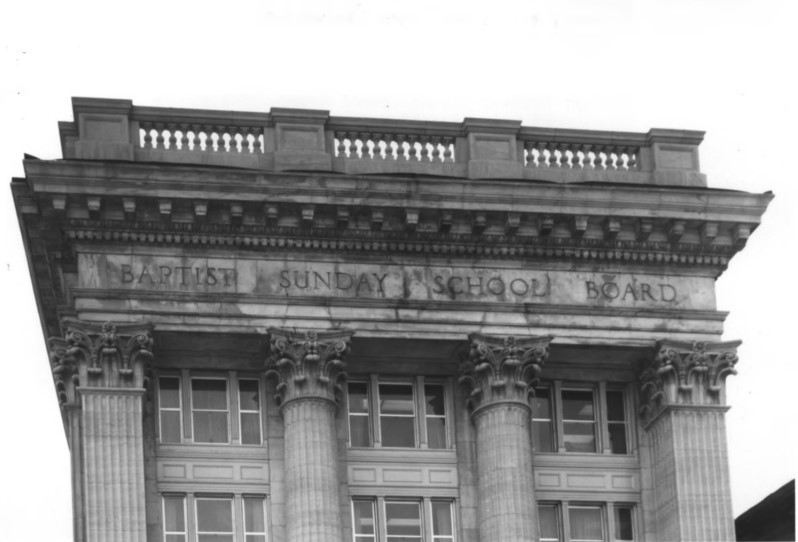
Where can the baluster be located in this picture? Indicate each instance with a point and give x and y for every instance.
(616, 160)
(147, 136)
(237, 145)
(448, 155)
(376, 139)
(246, 140)
(401, 153)
(631, 152)
(424, 155)
(365, 137)
(196, 142)
(583, 155)
(341, 149)
(159, 139)
(436, 149)
(257, 145)
(183, 137)
(529, 147)
(412, 152)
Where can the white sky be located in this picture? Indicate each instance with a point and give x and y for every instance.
(727, 67)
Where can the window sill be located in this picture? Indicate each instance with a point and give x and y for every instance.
(573, 459)
(401, 455)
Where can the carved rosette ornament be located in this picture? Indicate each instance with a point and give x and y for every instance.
(106, 355)
(308, 364)
(686, 373)
(502, 370)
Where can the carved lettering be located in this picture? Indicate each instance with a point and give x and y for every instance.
(127, 274)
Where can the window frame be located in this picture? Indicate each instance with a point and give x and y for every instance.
(601, 423)
(238, 510)
(242, 411)
(167, 533)
(227, 409)
(608, 526)
(179, 409)
(374, 414)
(426, 521)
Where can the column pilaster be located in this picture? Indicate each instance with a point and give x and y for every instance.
(500, 375)
(99, 374)
(683, 410)
(310, 371)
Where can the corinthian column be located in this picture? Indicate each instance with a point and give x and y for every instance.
(500, 374)
(309, 369)
(683, 408)
(99, 376)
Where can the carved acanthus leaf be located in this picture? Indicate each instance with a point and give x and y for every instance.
(684, 373)
(308, 364)
(100, 356)
(501, 370)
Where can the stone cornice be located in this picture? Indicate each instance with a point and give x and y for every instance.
(308, 365)
(499, 371)
(686, 374)
(100, 356)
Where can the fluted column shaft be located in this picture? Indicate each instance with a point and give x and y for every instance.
(500, 374)
(311, 471)
(309, 370)
(99, 376)
(507, 510)
(683, 394)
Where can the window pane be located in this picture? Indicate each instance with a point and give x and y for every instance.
(214, 515)
(249, 394)
(173, 516)
(250, 428)
(403, 519)
(615, 406)
(436, 433)
(215, 538)
(577, 405)
(359, 431)
(209, 394)
(175, 538)
(169, 396)
(210, 427)
(399, 432)
(579, 437)
(363, 517)
(170, 426)
(548, 522)
(542, 439)
(256, 538)
(358, 397)
(623, 523)
(441, 519)
(254, 521)
(585, 523)
(618, 438)
(541, 405)
(433, 395)
(396, 399)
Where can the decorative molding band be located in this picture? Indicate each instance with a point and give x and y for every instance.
(686, 374)
(427, 243)
(308, 365)
(100, 356)
(502, 370)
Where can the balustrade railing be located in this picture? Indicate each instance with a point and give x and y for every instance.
(200, 137)
(388, 146)
(297, 139)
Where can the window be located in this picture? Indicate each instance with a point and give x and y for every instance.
(579, 419)
(212, 405)
(169, 404)
(174, 519)
(249, 408)
(588, 522)
(214, 518)
(409, 414)
(402, 520)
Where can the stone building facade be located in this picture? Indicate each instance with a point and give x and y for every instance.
(290, 326)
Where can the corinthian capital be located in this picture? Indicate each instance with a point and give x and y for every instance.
(687, 373)
(309, 364)
(94, 355)
(502, 370)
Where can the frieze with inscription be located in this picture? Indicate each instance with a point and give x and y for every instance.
(266, 277)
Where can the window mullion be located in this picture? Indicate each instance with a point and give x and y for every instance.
(602, 419)
(233, 407)
(557, 414)
(610, 509)
(238, 517)
(421, 412)
(374, 397)
(188, 407)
